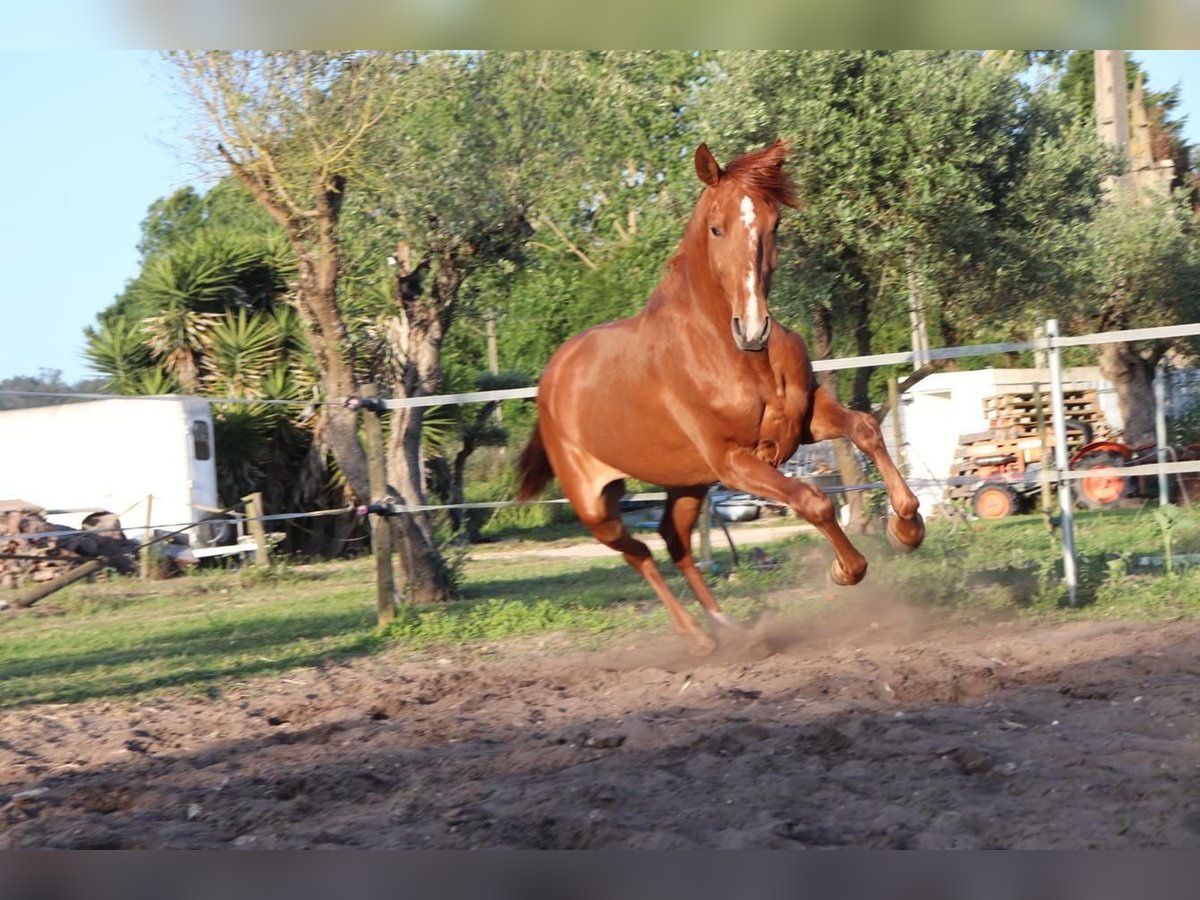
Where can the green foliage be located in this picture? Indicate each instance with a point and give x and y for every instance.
(1167, 518)
(1141, 267)
(1015, 564)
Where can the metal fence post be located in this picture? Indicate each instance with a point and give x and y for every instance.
(1160, 430)
(1065, 502)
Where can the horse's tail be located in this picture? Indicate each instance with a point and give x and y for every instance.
(533, 468)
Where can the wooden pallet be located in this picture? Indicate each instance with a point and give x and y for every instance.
(1027, 403)
(1014, 432)
(1016, 415)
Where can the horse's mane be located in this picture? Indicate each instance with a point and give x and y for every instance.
(762, 171)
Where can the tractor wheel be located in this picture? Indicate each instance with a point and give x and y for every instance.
(995, 501)
(1108, 485)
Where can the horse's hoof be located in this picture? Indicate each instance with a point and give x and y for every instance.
(840, 576)
(702, 645)
(906, 535)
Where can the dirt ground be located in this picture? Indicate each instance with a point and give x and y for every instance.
(870, 724)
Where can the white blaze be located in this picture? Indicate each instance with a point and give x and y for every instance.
(754, 314)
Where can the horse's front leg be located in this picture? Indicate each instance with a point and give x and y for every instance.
(741, 470)
(831, 420)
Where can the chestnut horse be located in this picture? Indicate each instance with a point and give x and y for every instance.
(701, 386)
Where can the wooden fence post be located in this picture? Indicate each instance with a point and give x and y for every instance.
(146, 535)
(254, 511)
(1045, 461)
(381, 529)
(898, 454)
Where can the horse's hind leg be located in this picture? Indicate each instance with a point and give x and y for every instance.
(830, 419)
(602, 517)
(679, 517)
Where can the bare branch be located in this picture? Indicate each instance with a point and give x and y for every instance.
(571, 245)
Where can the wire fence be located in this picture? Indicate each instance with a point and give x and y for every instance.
(1056, 476)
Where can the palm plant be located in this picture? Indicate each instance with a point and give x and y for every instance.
(177, 340)
(116, 350)
(240, 350)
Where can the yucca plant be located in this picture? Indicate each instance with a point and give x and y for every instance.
(176, 339)
(242, 432)
(117, 351)
(240, 350)
(215, 270)
(156, 381)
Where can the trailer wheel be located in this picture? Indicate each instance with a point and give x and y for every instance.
(1108, 485)
(995, 501)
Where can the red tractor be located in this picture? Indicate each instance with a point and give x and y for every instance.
(1010, 479)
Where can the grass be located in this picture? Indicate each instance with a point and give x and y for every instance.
(125, 637)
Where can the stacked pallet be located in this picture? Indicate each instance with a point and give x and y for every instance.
(1016, 415)
(1013, 442)
(33, 550)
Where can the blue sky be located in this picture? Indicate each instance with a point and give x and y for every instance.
(95, 138)
(86, 149)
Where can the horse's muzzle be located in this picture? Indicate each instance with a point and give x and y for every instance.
(750, 342)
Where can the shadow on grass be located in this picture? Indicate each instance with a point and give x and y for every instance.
(200, 654)
(604, 583)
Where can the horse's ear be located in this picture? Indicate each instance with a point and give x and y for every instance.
(706, 166)
(777, 153)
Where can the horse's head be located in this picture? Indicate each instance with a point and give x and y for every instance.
(738, 215)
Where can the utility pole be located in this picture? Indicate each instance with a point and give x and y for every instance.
(493, 350)
(1112, 111)
(916, 315)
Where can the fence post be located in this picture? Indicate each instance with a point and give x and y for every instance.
(706, 557)
(1160, 430)
(146, 535)
(1065, 502)
(381, 529)
(1044, 459)
(254, 511)
(898, 454)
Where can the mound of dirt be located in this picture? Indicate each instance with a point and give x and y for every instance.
(871, 725)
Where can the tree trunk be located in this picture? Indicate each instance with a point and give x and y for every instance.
(1133, 377)
(425, 313)
(313, 237)
(317, 305)
(428, 578)
(848, 465)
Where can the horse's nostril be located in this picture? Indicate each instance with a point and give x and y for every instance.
(737, 328)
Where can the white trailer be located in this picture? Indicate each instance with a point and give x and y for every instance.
(111, 455)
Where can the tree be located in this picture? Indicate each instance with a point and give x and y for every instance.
(291, 126)
(1140, 267)
(466, 194)
(1142, 270)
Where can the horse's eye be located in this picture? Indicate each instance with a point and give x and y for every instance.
(716, 232)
